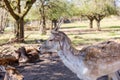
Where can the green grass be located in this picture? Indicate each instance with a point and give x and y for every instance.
(70, 27)
(118, 27)
(3, 41)
(78, 32)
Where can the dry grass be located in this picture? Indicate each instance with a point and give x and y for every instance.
(79, 32)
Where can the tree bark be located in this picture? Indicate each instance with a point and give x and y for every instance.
(91, 24)
(20, 30)
(51, 27)
(54, 22)
(44, 24)
(43, 27)
(98, 25)
(3, 19)
(91, 18)
(42, 13)
(98, 18)
(1, 23)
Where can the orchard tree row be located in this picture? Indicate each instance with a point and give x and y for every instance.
(54, 10)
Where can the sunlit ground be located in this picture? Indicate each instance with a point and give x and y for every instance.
(79, 32)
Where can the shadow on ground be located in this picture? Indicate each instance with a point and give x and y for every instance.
(47, 70)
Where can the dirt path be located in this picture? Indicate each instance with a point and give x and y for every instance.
(47, 70)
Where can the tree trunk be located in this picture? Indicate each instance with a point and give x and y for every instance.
(54, 22)
(98, 25)
(91, 18)
(1, 25)
(44, 22)
(98, 18)
(3, 20)
(20, 30)
(51, 27)
(42, 12)
(91, 23)
(43, 27)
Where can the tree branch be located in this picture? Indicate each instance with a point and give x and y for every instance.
(99, 17)
(18, 4)
(90, 17)
(10, 9)
(28, 7)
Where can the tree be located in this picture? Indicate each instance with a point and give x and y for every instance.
(103, 8)
(18, 12)
(97, 9)
(3, 19)
(43, 10)
(87, 10)
(60, 8)
(54, 10)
